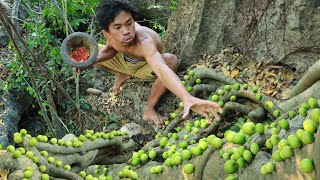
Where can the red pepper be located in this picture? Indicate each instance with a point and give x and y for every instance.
(80, 54)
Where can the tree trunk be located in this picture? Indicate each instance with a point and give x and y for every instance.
(267, 31)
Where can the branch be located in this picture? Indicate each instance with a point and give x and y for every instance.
(54, 116)
(64, 18)
(9, 26)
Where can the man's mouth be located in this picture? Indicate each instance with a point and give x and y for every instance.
(128, 40)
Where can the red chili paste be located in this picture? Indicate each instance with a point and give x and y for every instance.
(80, 54)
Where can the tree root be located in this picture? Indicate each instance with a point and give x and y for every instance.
(101, 151)
(248, 94)
(15, 167)
(258, 114)
(235, 106)
(88, 145)
(202, 87)
(206, 132)
(112, 159)
(204, 73)
(312, 91)
(119, 149)
(173, 124)
(307, 80)
(201, 163)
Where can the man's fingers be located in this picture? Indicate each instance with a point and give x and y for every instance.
(206, 116)
(209, 121)
(217, 117)
(216, 106)
(186, 111)
(214, 113)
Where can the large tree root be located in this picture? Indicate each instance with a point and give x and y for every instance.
(99, 151)
(308, 79)
(201, 88)
(16, 167)
(207, 73)
(119, 149)
(297, 100)
(201, 163)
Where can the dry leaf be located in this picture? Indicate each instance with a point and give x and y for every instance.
(254, 70)
(268, 91)
(274, 93)
(258, 65)
(258, 82)
(276, 66)
(285, 94)
(225, 71)
(3, 174)
(251, 84)
(234, 73)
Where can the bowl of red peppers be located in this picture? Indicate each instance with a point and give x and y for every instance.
(79, 50)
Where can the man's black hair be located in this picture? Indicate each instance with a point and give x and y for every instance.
(109, 9)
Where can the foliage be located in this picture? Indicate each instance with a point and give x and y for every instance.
(79, 14)
(158, 27)
(173, 5)
(155, 24)
(44, 33)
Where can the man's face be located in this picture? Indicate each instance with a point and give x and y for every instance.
(122, 29)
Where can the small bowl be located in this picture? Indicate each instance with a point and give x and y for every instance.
(76, 40)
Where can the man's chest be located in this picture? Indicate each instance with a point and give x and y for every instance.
(133, 53)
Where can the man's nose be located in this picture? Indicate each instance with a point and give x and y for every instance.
(126, 31)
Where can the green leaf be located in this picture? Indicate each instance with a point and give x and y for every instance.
(112, 125)
(85, 105)
(112, 118)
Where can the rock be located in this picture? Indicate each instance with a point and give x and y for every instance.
(132, 128)
(94, 91)
(12, 106)
(98, 84)
(68, 137)
(4, 40)
(138, 133)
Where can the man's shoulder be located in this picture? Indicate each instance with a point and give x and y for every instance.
(145, 38)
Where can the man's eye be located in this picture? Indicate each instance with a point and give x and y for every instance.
(117, 27)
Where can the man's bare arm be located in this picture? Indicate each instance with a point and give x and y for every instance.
(106, 53)
(173, 83)
(166, 75)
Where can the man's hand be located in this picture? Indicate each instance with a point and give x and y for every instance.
(205, 108)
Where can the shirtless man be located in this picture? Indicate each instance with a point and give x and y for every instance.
(134, 50)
